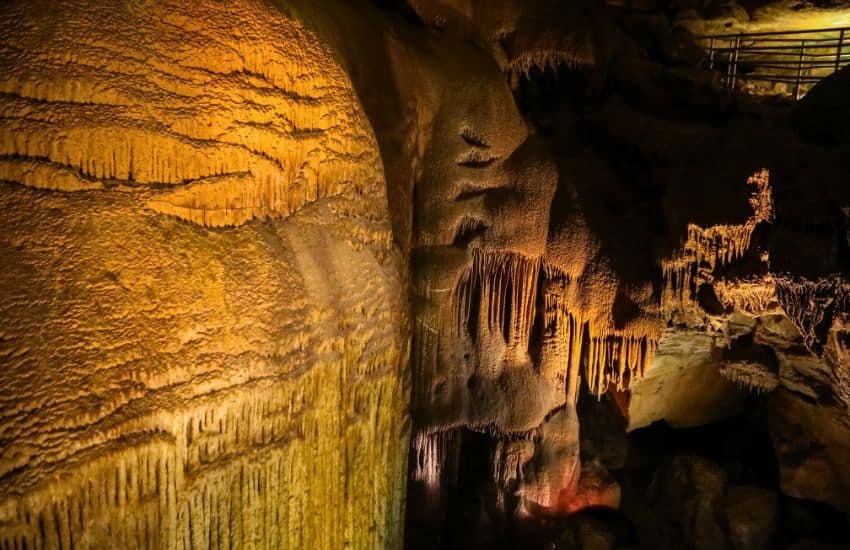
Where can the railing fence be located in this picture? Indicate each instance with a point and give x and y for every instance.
(778, 62)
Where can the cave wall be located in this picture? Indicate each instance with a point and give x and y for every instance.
(695, 242)
(252, 250)
(204, 339)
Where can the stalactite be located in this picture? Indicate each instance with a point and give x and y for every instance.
(707, 252)
(750, 376)
(547, 59)
(239, 475)
(590, 345)
(435, 458)
(577, 343)
(812, 305)
(507, 286)
(753, 296)
(510, 458)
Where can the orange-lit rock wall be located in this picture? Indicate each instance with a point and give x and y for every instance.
(203, 326)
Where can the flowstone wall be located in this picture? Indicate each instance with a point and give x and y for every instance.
(204, 339)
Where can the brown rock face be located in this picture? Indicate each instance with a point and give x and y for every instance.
(811, 442)
(752, 517)
(829, 124)
(690, 491)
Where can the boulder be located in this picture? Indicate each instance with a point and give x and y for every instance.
(689, 494)
(823, 115)
(752, 517)
(812, 443)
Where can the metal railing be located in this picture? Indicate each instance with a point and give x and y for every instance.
(778, 62)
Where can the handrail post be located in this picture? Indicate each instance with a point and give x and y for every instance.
(799, 69)
(711, 54)
(735, 62)
(728, 62)
(838, 50)
(729, 56)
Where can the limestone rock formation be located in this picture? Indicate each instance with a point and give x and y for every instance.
(824, 113)
(811, 442)
(669, 276)
(259, 255)
(204, 338)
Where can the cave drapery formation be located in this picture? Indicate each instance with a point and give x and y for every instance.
(281, 274)
(168, 384)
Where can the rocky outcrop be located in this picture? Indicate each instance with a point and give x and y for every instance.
(689, 492)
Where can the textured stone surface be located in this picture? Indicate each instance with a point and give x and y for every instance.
(203, 316)
(683, 268)
(684, 386)
(811, 442)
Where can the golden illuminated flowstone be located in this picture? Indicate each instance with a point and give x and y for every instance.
(203, 326)
(708, 251)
